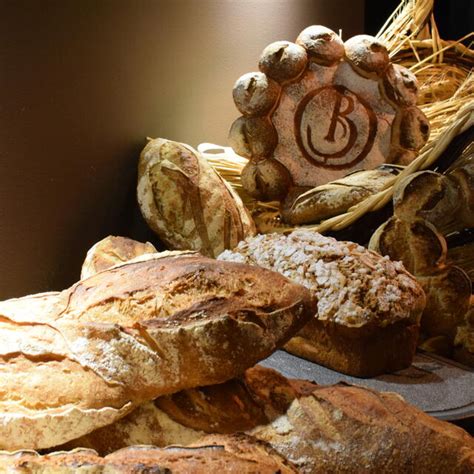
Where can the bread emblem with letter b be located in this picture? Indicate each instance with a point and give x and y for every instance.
(320, 109)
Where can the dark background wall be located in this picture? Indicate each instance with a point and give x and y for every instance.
(83, 82)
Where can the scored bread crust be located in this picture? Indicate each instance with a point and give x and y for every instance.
(238, 453)
(186, 202)
(337, 428)
(134, 332)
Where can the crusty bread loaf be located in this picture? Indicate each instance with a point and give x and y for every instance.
(340, 428)
(344, 428)
(236, 454)
(186, 202)
(362, 298)
(127, 335)
(113, 251)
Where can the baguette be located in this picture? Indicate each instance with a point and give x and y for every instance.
(155, 325)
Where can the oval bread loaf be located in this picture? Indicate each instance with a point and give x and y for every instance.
(186, 202)
(155, 325)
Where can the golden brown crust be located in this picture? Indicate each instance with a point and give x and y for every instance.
(237, 454)
(341, 428)
(335, 197)
(428, 206)
(112, 251)
(366, 304)
(240, 404)
(132, 333)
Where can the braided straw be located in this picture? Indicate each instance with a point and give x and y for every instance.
(446, 87)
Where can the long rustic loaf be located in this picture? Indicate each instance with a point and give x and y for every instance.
(339, 428)
(369, 307)
(73, 361)
(237, 454)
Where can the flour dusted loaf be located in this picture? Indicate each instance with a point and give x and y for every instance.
(340, 428)
(369, 307)
(236, 454)
(185, 201)
(74, 361)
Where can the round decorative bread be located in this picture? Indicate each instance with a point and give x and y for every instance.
(321, 108)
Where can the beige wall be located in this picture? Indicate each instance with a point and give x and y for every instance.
(83, 82)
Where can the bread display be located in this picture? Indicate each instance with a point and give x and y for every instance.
(303, 206)
(155, 325)
(113, 251)
(340, 428)
(237, 454)
(427, 206)
(369, 307)
(185, 201)
(320, 109)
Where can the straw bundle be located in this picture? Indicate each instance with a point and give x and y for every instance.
(446, 84)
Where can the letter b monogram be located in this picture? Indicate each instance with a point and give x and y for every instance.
(326, 127)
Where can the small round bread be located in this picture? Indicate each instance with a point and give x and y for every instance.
(323, 45)
(283, 61)
(266, 180)
(411, 128)
(400, 85)
(367, 55)
(255, 93)
(253, 137)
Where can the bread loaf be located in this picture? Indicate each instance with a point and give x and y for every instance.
(368, 307)
(186, 202)
(428, 206)
(340, 428)
(129, 334)
(336, 197)
(237, 454)
(113, 251)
